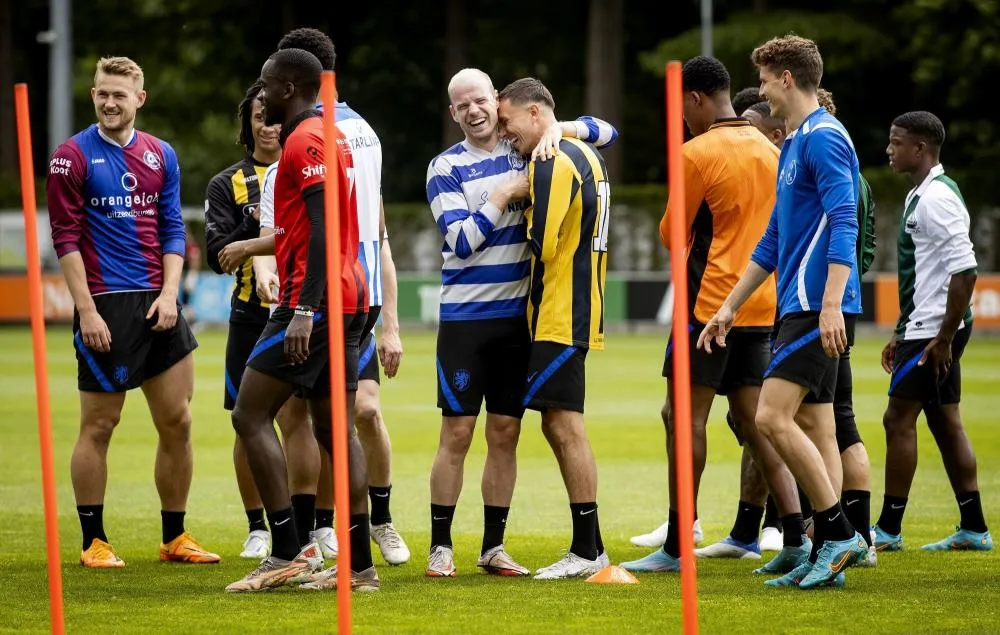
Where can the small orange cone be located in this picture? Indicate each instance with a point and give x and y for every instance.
(613, 574)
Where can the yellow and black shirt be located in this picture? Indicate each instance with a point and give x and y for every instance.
(568, 234)
(230, 200)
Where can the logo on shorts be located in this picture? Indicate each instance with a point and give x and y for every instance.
(461, 379)
(121, 374)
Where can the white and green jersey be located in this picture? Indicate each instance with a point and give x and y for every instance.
(934, 245)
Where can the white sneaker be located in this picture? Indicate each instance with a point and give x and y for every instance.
(870, 560)
(313, 557)
(497, 561)
(441, 563)
(771, 539)
(658, 536)
(604, 560)
(326, 538)
(390, 543)
(257, 545)
(729, 548)
(571, 566)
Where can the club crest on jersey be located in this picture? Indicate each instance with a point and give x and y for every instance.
(516, 160)
(121, 374)
(149, 158)
(788, 173)
(461, 379)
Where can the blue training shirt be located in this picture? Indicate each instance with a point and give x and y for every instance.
(815, 217)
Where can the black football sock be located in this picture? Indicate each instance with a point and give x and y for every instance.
(379, 497)
(304, 508)
(441, 517)
(324, 518)
(494, 525)
(971, 508)
(747, 525)
(361, 543)
(284, 539)
(771, 513)
(597, 529)
(832, 524)
(792, 530)
(173, 525)
(891, 519)
(671, 546)
(91, 523)
(804, 504)
(857, 504)
(584, 530)
(255, 519)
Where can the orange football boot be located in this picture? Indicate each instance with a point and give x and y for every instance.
(100, 555)
(185, 548)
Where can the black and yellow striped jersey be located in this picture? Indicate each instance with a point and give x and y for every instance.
(568, 234)
(230, 200)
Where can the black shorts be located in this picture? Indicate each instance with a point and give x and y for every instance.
(482, 359)
(916, 383)
(137, 353)
(368, 361)
(741, 363)
(556, 377)
(798, 356)
(843, 399)
(312, 378)
(246, 323)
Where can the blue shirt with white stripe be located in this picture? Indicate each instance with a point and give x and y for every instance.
(815, 217)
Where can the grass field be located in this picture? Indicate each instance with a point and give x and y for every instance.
(909, 592)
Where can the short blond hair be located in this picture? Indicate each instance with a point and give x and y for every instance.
(121, 66)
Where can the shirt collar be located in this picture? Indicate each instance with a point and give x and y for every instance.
(935, 172)
(296, 120)
(112, 141)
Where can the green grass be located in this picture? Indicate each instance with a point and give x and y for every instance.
(909, 592)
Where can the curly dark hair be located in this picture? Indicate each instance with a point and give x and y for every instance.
(314, 41)
(244, 111)
(706, 75)
(923, 125)
(797, 55)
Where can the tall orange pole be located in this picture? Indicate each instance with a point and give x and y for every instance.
(338, 382)
(682, 354)
(34, 265)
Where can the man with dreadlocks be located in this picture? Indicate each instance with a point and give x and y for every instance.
(231, 214)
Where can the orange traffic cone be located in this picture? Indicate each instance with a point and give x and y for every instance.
(613, 574)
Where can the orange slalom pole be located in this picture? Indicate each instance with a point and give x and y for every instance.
(41, 370)
(682, 353)
(335, 308)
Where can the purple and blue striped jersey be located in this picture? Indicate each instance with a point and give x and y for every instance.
(118, 206)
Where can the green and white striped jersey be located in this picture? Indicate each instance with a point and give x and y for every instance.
(934, 245)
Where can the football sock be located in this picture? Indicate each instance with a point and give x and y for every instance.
(584, 530)
(891, 519)
(379, 497)
(304, 508)
(361, 543)
(792, 530)
(441, 517)
(747, 525)
(971, 508)
(857, 505)
(771, 513)
(324, 518)
(91, 523)
(671, 546)
(255, 519)
(173, 525)
(804, 504)
(284, 540)
(597, 529)
(832, 524)
(494, 525)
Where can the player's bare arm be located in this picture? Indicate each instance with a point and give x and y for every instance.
(165, 305)
(938, 352)
(235, 254)
(93, 329)
(514, 189)
(548, 146)
(265, 270)
(390, 347)
(718, 327)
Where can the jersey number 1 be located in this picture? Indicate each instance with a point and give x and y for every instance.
(603, 216)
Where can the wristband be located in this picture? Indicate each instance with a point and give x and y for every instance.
(304, 311)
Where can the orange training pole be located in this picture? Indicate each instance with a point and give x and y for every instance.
(682, 354)
(38, 341)
(338, 394)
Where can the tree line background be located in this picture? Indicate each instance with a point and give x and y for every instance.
(599, 57)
